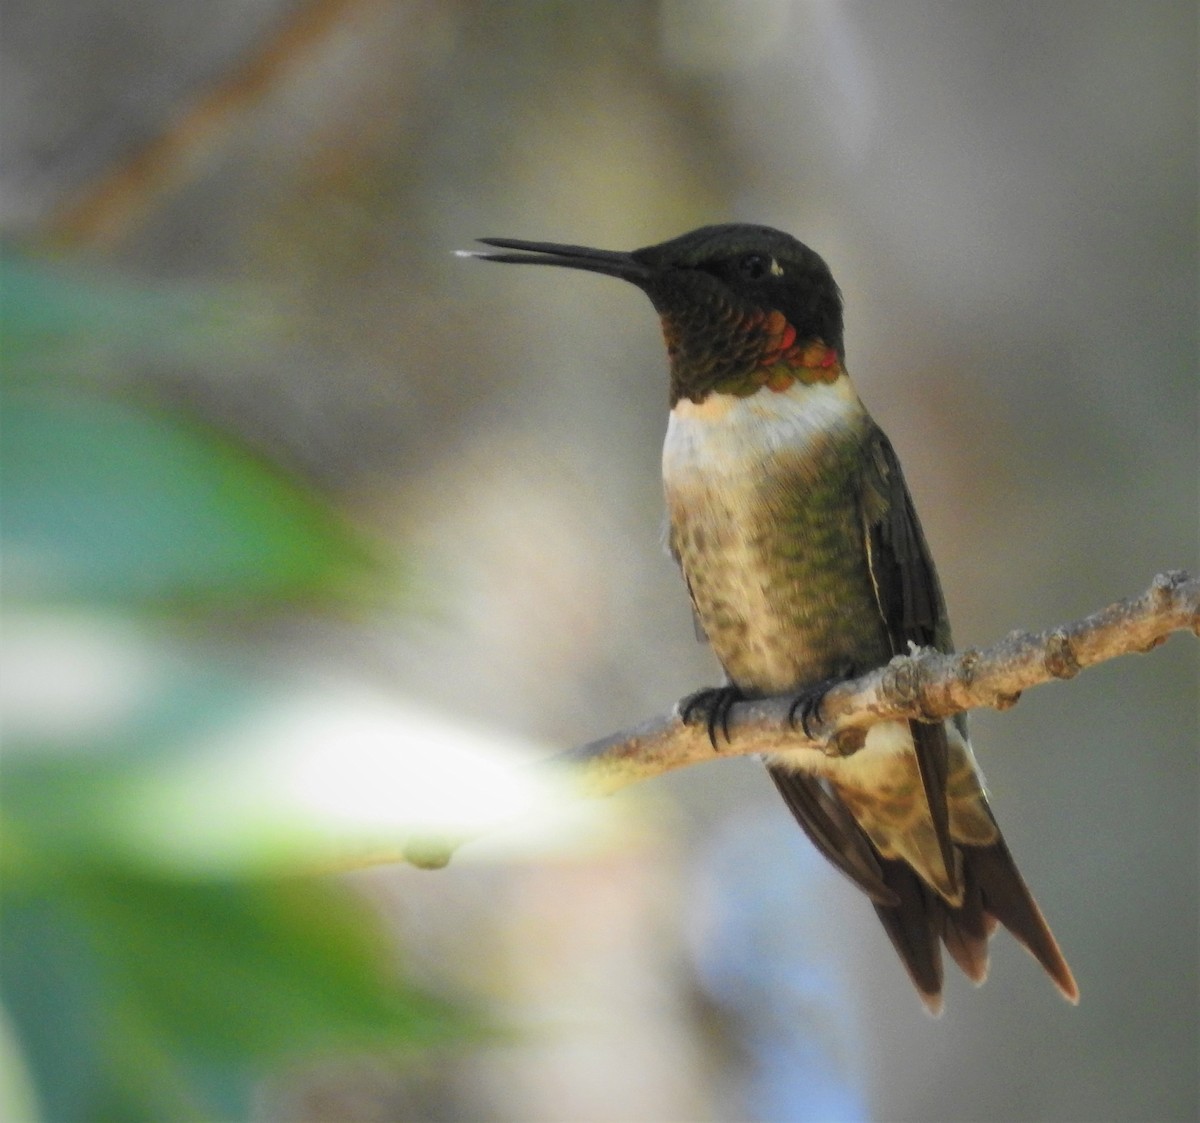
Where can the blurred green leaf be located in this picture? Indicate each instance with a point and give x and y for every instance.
(17, 1099)
(111, 503)
(62, 321)
(254, 969)
(154, 982)
(134, 992)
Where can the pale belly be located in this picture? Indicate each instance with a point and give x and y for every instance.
(765, 522)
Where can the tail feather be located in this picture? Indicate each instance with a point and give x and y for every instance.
(911, 926)
(832, 830)
(993, 893)
(1007, 898)
(917, 918)
(965, 930)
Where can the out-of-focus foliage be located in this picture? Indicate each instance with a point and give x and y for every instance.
(136, 986)
(1006, 193)
(140, 997)
(110, 503)
(115, 502)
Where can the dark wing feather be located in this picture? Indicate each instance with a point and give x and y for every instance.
(832, 830)
(993, 891)
(913, 928)
(910, 603)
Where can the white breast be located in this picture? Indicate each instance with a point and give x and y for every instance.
(735, 472)
(726, 435)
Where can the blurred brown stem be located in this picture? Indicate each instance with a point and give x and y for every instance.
(101, 211)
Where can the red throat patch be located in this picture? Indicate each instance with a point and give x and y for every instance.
(784, 361)
(759, 349)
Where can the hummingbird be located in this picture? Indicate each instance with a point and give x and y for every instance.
(806, 564)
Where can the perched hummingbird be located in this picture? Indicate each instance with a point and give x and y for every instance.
(805, 563)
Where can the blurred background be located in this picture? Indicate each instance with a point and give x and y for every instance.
(312, 528)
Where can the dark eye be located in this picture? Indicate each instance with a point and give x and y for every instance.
(755, 266)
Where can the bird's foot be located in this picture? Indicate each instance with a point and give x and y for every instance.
(710, 706)
(806, 705)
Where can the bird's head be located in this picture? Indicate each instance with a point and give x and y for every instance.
(742, 306)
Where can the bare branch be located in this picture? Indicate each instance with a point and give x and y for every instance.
(926, 686)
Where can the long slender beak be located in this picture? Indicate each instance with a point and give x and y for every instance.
(610, 262)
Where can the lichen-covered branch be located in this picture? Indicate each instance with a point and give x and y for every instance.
(925, 685)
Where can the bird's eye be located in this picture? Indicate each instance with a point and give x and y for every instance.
(755, 266)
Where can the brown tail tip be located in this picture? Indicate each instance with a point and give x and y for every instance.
(1006, 897)
(1066, 984)
(993, 894)
(933, 1003)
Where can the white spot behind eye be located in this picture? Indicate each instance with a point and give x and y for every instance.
(776, 269)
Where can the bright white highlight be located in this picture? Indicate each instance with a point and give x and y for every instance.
(343, 777)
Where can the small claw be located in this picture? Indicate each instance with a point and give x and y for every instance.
(808, 700)
(805, 707)
(713, 705)
(723, 707)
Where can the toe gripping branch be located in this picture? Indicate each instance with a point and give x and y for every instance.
(711, 706)
(806, 706)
